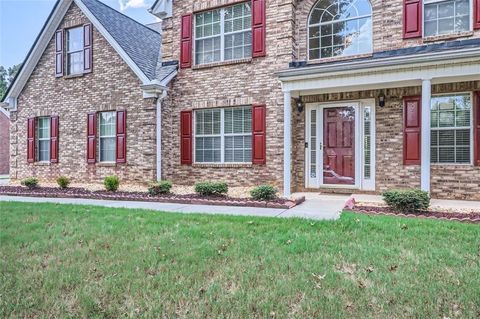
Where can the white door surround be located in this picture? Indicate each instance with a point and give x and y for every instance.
(314, 153)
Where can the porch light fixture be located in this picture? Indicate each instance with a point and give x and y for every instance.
(300, 105)
(381, 99)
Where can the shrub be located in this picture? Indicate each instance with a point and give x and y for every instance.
(111, 183)
(30, 182)
(63, 182)
(407, 200)
(264, 192)
(161, 187)
(211, 188)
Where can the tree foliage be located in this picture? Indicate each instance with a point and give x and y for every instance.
(7, 77)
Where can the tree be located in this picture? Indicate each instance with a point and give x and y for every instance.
(3, 81)
(12, 72)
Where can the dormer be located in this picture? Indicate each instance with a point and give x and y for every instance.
(162, 9)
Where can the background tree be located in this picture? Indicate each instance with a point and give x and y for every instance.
(12, 72)
(3, 81)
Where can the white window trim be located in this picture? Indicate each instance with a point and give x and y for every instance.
(68, 53)
(471, 128)
(427, 2)
(38, 139)
(221, 35)
(100, 137)
(331, 22)
(222, 136)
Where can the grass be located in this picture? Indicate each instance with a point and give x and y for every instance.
(78, 261)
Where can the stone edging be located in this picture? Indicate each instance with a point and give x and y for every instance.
(463, 220)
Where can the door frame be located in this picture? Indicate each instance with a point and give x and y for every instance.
(360, 106)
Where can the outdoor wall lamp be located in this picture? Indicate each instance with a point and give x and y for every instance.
(300, 105)
(381, 99)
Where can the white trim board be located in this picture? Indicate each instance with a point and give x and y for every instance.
(5, 112)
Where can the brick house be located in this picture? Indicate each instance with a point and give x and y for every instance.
(331, 95)
(4, 141)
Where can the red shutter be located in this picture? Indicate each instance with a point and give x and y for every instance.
(259, 130)
(412, 126)
(121, 136)
(258, 28)
(186, 42)
(91, 138)
(477, 129)
(54, 139)
(59, 53)
(476, 14)
(87, 48)
(412, 19)
(31, 140)
(186, 137)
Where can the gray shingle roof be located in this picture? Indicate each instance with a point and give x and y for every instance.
(141, 43)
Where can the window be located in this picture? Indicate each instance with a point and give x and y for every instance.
(43, 139)
(75, 50)
(223, 135)
(223, 34)
(340, 28)
(451, 129)
(446, 16)
(108, 136)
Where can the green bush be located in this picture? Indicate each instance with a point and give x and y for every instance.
(264, 192)
(63, 182)
(161, 187)
(211, 188)
(407, 200)
(30, 182)
(111, 183)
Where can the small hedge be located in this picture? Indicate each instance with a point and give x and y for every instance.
(111, 183)
(211, 188)
(63, 182)
(407, 200)
(161, 187)
(264, 192)
(30, 182)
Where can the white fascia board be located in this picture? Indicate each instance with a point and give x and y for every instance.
(162, 9)
(112, 42)
(37, 51)
(169, 78)
(5, 112)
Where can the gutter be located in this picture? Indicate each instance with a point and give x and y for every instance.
(314, 71)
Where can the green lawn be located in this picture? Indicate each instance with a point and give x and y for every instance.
(61, 261)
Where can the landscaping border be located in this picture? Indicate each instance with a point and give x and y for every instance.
(193, 199)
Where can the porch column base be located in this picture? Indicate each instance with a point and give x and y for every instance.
(287, 143)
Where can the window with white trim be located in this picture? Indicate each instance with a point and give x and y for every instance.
(75, 50)
(451, 129)
(108, 136)
(223, 135)
(340, 28)
(223, 34)
(43, 139)
(446, 17)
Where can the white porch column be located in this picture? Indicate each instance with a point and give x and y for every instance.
(425, 153)
(287, 143)
(159, 139)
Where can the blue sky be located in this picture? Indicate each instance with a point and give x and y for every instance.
(22, 20)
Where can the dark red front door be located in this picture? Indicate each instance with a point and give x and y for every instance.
(339, 146)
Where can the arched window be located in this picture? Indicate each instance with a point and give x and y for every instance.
(339, 28)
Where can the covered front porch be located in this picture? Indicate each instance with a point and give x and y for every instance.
(346, 124)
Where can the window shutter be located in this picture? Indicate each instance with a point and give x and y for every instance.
(54, 139)
(412, 19)
(258, 28)
(476, 14)
(91, 138)
(259, 131)
(59, 53)
(31, 140)
(412, 130)
(186, 137)
(477, 128)
(87, 48)
(186, 42)
(121, 136)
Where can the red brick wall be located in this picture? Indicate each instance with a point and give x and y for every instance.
(4, 144)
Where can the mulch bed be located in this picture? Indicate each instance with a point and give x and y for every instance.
(472, 217)
(194, 199)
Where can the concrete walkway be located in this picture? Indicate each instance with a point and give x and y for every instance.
(319, 207)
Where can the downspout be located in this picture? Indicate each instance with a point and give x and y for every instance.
(159, 134)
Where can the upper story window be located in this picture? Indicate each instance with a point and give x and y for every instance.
(74, 50)
(223, 34)
(446, 17)
(340, 28)
(43, 139)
